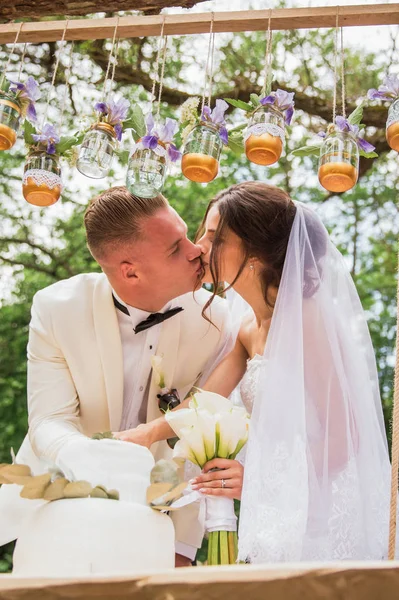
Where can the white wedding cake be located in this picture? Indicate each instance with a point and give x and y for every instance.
(86, 536)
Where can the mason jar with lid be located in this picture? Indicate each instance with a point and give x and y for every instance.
(392, 128)
(201, 153)
(10, 114)
(265, 134)
(96, 151)
(42, 183)
(146, 172)
(339, 162)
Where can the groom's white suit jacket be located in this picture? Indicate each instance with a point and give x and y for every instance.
(75, 378)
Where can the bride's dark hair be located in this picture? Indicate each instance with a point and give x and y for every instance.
(261, 215)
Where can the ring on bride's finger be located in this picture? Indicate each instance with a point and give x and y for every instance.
(223, 483)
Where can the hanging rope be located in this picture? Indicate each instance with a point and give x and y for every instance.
(211, 70)
(62, 46)
(22, 61)
(67, 77)
(3, 75)
(110, 59)
(162, 76)
(209, 66)
(343, 72)
(395, 446)
(335, 66)
(156, 69)
(268, 57)
(115, 62)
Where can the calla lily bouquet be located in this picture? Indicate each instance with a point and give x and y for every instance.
(212, 427)
(351, 125)
(24, 95)
(189, 117)
(159, 138)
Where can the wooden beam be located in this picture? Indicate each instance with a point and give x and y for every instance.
(194, 23)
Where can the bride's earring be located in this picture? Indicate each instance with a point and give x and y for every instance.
(251, 267)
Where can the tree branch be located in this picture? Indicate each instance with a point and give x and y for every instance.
(373, 116)
(33, 267)
(45, 8)
(42, 249)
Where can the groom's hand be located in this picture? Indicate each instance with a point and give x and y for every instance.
(141, 435)
(182, 561)
(226, 481)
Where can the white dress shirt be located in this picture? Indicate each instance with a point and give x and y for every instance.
(137, 349)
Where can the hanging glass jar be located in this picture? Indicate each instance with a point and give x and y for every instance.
(96, 151)
(10, 114)
(339, 162)
(265, 134)
(392, 131)
(42, 179)
(146, 172)
(201, 153)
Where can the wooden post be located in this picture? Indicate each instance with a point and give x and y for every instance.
(194, 23)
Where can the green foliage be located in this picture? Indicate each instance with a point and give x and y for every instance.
(41, 246)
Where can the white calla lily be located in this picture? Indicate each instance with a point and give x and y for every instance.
(156, 362)
(182, 452)
(207, 425)
(232, 429)
(213, 403)
(181, 418)
(194, 439)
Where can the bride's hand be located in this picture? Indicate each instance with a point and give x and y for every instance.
(141, 435)
(231, 473)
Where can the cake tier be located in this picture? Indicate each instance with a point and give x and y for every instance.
(81, 537)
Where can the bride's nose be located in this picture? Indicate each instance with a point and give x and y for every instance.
(204, 244)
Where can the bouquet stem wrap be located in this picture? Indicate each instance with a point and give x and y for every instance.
(221, 524)
(211, 428)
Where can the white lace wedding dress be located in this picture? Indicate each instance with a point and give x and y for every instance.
(294, 525)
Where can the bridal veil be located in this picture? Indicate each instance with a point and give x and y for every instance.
(317, 471)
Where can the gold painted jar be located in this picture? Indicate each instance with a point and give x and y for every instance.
(339, 162)
(265, 135)
(42, 184)
(10, 114)
(201, 153)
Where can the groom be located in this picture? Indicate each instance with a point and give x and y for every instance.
(92, 338)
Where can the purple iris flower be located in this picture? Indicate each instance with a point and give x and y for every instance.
(216, 116)
(117, 111)
(150, 141)
(343, 125)
(283, 100)
(49, 136)
(173, 153)
(388, 91)
(101, 107)
(114, 112)
(27, 94)
(168, 131)
(118, 130)
(165, 135)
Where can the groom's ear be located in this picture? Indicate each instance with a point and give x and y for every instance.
(128, 271)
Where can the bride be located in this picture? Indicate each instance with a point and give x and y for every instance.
(316, 480)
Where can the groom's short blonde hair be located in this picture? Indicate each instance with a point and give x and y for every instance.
(115, 217)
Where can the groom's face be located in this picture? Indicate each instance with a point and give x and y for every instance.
(165, 262)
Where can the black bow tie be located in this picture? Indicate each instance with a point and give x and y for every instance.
(151, 320)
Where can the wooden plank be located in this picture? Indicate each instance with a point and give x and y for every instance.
(194, 23)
